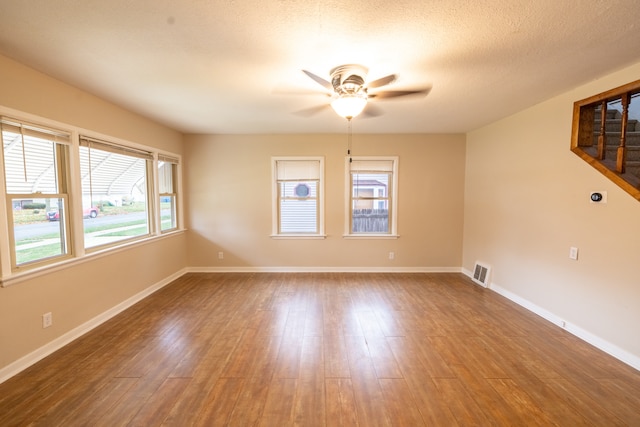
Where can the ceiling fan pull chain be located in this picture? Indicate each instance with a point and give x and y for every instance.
(349, 132)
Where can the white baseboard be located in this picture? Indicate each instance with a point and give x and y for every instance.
(324, 269)
(596, 341)
(42, 352)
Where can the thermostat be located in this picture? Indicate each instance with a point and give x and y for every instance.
(598, 197)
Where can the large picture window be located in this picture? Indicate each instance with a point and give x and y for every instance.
(298, 191)
(115, 183)
(36, 187)
(372, 194)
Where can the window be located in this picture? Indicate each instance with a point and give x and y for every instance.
(372, 196)
(115, 182)
(167, 183)
(64, 193)
(36, 181)
(298, 202)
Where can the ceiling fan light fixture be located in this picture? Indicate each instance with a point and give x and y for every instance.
(349, 89)
(349, 106)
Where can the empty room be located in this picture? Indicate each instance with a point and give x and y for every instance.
(319, 213)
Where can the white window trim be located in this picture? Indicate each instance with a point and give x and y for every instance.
(393, 232)
(274, 201)
(177, 189)
(8, 249)
(6, 268)
(151, 182)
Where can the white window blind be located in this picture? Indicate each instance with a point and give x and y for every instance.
(32, 163)
(165, 177)
(36, 185)
(298, 196)
(36, 131)
(168, 159)
(371, 165)
(167, 172)
(114, 179)
(97, 144)
(288, 170)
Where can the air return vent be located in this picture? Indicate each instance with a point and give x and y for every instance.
(481, 274)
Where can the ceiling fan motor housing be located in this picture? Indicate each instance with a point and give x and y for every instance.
(349, 79)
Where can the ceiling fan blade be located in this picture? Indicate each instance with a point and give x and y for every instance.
(298, 91)
(382, 81)
(398, 93)
(322, 82)
(371, 111)
(308, 112)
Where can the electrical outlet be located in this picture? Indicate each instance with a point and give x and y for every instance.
(392, 255)
(47, 320)
(573, 252)
(220, 255)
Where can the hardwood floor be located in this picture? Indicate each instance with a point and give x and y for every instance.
(324, 349)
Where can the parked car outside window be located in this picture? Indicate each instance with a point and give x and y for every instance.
(54, 215)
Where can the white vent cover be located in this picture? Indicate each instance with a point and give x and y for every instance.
(481, 274)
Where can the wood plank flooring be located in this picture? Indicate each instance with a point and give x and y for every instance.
(324, 349)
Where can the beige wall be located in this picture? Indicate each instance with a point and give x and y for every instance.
(29, 91)
(228, 181)
(527, 203)
(83, 290)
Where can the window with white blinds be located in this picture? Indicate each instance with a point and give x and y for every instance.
(167, 187)
(298, 196)
(115, 183)
(36, 179)
(66, 194)
(371, 196)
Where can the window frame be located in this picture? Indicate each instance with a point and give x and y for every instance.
(106, 145)
(61, 143)
(175, 172)
(275, 207)
(392, 196)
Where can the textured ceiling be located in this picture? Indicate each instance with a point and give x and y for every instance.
(234, 66)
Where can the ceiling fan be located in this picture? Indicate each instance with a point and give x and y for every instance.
(350, 91)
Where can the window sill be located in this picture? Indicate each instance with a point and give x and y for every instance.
(370, 236)
(298, 236)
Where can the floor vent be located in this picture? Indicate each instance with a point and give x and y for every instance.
(481, 274)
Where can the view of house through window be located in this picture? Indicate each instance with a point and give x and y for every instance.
(298, 190)
(115, 188)
(36, 191)
(370, 203)
(371, 192)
